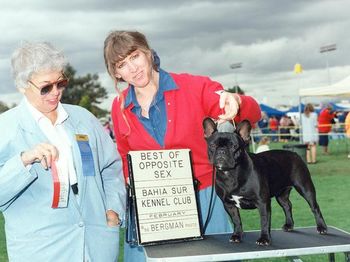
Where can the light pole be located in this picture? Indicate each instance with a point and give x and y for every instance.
(326, 49)
(235, 66)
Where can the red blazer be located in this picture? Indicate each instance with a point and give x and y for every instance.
(186, 107)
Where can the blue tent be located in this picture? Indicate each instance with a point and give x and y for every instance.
(270, 111)
(295, 109)
(338, 108)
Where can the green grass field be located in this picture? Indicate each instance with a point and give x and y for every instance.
(331, 177)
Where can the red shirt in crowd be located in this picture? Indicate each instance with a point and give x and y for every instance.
(273, 123)
(325, 119)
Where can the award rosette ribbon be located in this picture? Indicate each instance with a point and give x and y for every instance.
(60, 188)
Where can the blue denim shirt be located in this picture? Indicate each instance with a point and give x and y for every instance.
(156, 123)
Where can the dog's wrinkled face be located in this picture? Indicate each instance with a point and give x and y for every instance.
(224, 149)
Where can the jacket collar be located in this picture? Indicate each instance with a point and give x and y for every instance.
(28, 123)
(26, 120)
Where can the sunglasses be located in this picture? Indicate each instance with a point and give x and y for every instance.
(44, 90)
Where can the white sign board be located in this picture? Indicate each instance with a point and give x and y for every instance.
(166, 206)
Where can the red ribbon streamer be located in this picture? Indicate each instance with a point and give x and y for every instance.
(56, 185)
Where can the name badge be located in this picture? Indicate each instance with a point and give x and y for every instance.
(87, 158)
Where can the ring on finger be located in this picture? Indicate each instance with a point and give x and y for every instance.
(45, 159)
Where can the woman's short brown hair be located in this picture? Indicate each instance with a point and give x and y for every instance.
(308, 109)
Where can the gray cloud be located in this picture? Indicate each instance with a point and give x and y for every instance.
(200, 37)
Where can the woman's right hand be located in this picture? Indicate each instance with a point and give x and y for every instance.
(43, 153)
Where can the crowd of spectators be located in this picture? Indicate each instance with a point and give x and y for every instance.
(281, 129)
(285, 128)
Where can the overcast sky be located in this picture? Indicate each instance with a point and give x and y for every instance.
(200, 37)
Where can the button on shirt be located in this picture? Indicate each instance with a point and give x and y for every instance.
(156, 123)
(58, 136)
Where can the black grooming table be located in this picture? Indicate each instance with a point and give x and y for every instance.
(301, 241)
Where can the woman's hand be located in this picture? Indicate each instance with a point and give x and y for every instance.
(230, 103)
(112, 218)
(43, 153)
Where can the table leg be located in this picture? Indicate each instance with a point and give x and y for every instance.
(347, 256)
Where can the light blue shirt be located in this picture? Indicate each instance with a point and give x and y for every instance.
(79, 232)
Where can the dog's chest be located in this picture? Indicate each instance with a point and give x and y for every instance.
(241, 202)
(236, 200)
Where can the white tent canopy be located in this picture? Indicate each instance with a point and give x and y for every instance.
(341, 88)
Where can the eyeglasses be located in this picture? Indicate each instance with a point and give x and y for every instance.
(44, 90)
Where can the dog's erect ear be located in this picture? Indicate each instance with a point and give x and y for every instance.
(209, 127)
(243, 129)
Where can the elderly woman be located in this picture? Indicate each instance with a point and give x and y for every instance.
(62, 191)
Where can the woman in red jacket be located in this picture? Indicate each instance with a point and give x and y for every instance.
(161, 110)
(325, 121)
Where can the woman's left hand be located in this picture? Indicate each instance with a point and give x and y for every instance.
(112, 218)
(230, 103)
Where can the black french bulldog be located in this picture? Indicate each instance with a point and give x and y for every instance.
(248, 181)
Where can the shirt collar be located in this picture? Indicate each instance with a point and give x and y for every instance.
(62, 115)
(166, 83)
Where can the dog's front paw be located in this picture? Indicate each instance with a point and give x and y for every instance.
(263, 241)
(287, 228)
(236, 238)
(322, 230)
